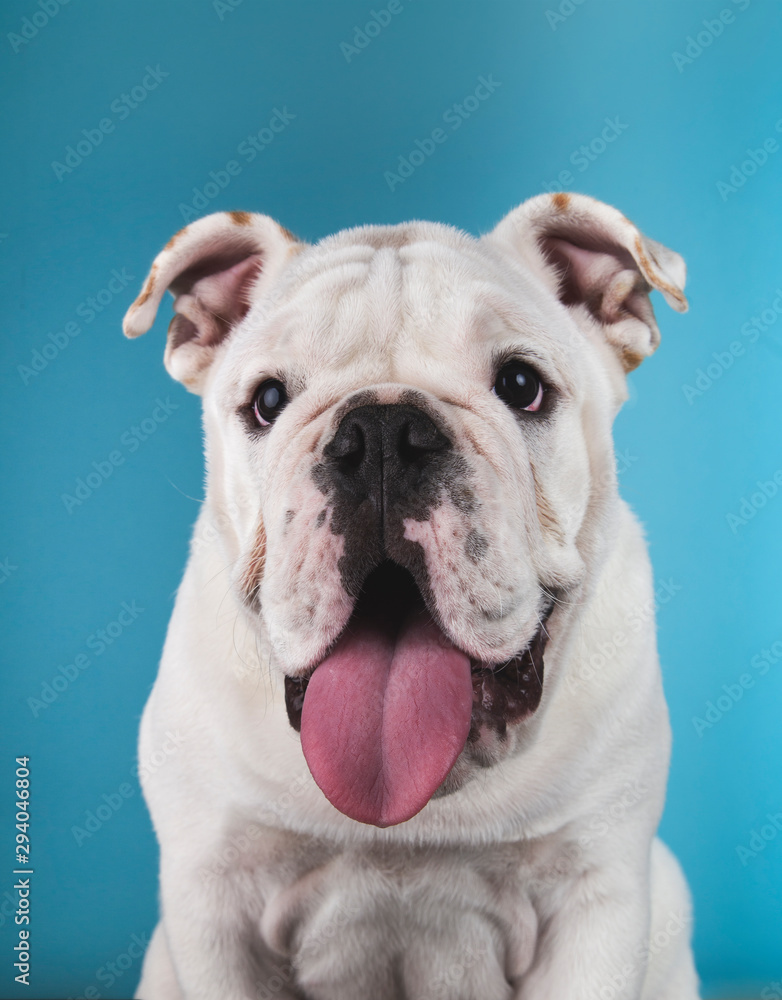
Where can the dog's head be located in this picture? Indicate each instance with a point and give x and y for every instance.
(418, 424)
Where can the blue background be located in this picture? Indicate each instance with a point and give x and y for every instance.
(687, 464)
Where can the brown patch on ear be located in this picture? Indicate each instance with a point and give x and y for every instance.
(653, 275)
(174, 238)
(180, 330)
(561, 200)
(630, 359)
(146, 291)
(253, 573)
(240, 218)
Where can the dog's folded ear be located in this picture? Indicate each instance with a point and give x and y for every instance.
(214, 268)
(599, 264)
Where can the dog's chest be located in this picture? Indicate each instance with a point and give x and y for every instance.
(404, 926)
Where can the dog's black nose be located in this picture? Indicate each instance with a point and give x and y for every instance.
(384, 453)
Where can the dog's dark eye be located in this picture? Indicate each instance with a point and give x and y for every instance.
(269, 401)
(519, 386)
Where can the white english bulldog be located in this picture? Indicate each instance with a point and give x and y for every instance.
(422, 742)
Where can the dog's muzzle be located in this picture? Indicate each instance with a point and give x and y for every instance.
(386, 713)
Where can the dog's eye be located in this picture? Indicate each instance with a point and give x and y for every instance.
(269, 401)
(519, 386)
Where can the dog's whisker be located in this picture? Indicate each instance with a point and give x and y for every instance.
(182, 492)
(228, 566)
(561, 601)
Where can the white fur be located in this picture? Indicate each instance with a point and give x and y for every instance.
(539, 876)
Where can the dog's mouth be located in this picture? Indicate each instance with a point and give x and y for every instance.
(387, 712)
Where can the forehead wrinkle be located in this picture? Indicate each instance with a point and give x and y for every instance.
(279, 320)
(322, 259)
(361, 320)
(324, 284)
(384, 289)
(353, 325)
(343, 340)
(443, 314)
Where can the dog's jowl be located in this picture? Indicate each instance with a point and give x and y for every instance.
(396, 780)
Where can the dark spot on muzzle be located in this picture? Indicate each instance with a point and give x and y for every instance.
(475, 546)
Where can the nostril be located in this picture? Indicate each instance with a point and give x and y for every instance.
(349, 447)
(418, 439)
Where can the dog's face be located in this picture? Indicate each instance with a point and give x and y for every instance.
(409, 448)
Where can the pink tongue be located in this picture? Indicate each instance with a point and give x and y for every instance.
(385, 717)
